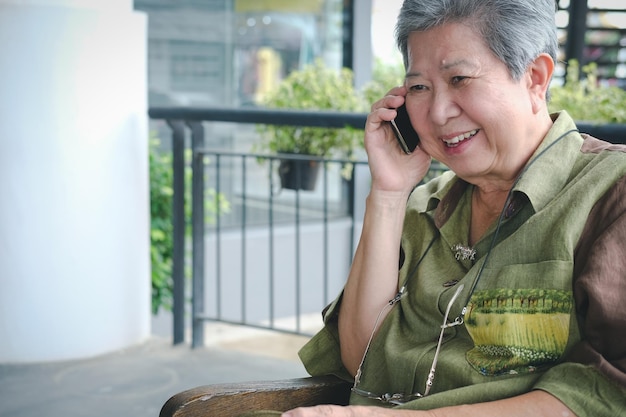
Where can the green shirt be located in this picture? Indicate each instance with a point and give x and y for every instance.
(525, 324)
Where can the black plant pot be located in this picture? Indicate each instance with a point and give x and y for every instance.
(298, 174)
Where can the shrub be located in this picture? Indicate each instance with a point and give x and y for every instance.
(586, 100)
(384, 78)
(161, 229)
(161, 245)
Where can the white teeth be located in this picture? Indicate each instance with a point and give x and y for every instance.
(460, 138)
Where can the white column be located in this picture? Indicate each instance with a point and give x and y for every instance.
(362, 58)
(74, 197)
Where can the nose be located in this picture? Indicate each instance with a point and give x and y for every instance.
(443, 107)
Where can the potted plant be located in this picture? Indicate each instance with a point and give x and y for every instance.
(314, 87)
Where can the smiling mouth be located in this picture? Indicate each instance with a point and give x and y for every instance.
(460, 138)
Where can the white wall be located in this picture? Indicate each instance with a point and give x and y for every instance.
(384, 17)
(74, 198)
(362, 43)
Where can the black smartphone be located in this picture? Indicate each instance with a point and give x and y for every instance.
(406, 135)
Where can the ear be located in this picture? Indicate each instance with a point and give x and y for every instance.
(539, 75)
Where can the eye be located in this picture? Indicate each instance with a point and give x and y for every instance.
(416, 87)
(458, 80)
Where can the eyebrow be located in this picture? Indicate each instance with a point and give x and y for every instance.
(444, 67)
(457, 63)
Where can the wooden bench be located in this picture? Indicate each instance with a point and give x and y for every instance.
(226, 400)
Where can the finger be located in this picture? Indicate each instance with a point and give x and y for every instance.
(393, 99)
(379, 119)
(397, 91)
(316, 411)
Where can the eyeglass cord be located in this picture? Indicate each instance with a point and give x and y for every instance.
(390, 303)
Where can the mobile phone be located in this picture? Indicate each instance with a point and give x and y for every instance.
(406, 135)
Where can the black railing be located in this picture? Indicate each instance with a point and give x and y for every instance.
(181, 120)
(254, 278)
(230, 164)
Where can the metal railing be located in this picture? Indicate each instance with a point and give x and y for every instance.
(265, 263)
(182, 120)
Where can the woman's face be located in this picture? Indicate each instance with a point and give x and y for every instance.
(469, 113)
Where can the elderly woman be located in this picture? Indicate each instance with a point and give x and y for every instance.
(506, 295)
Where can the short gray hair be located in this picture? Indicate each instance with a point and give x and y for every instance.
(516, 31)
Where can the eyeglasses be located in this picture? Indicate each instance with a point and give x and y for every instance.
(397, 398)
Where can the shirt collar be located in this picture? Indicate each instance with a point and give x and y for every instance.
(547, 172)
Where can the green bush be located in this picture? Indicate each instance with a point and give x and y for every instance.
(384, 78)
(161, 243)
(586, 100)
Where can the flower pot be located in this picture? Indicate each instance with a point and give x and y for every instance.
(298, 174)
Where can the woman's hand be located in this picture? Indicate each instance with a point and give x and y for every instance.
(534, 403)
(392, 170)
(352, 411)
